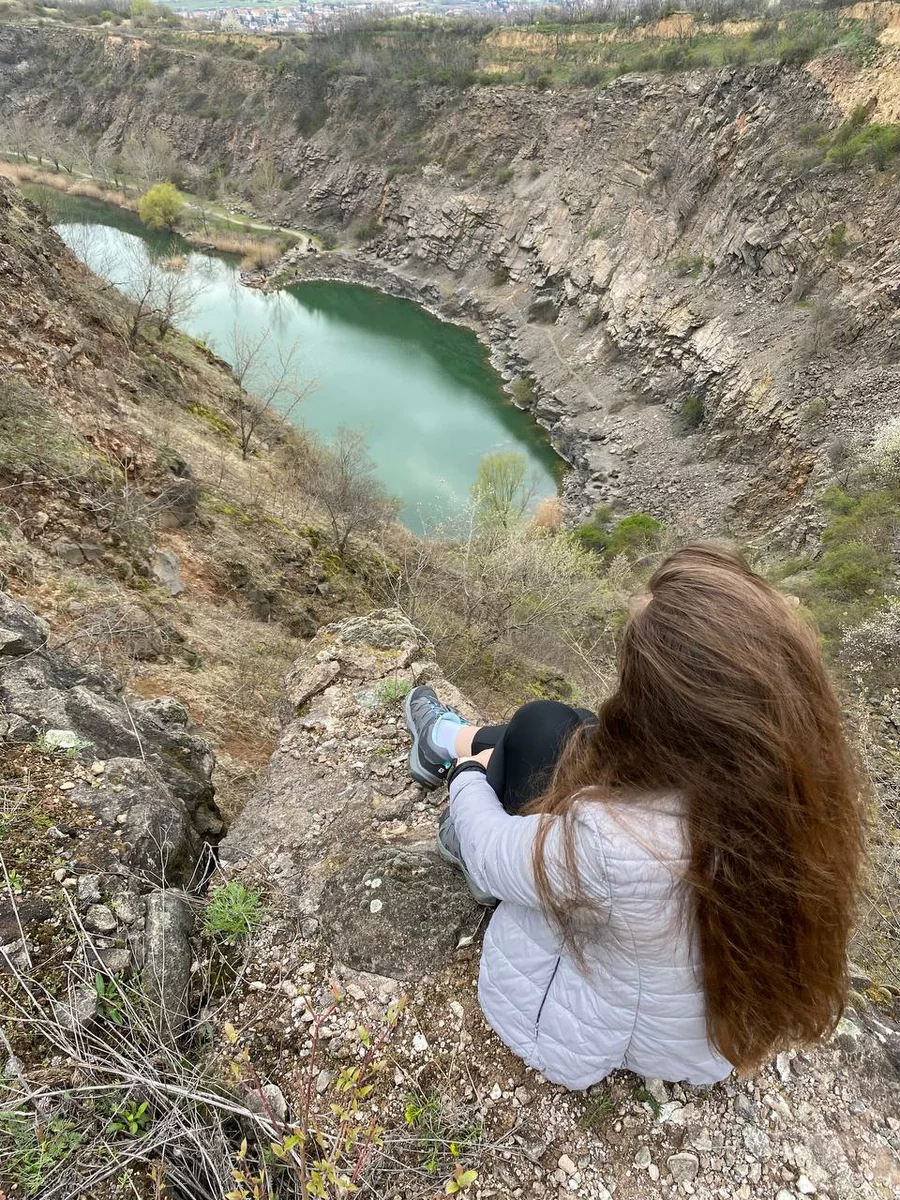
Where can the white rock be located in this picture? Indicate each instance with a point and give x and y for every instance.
(653, 1172)
(420, 1043)
(783, 1066)
(457, 1009)
(643, 1158)
(784, 1194)
(805, 1186)
(657, 1090)
(496, 1092)
(375, 906)
(566, 1165)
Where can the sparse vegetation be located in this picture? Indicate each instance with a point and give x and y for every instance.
(633, 536)
(233, 911)
(692, 412)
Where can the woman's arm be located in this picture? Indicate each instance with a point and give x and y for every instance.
(498, 849)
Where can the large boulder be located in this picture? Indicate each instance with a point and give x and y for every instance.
(41, 691)
(338, 810)
(155, 794)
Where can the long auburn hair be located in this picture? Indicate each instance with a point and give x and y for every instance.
(723, 699)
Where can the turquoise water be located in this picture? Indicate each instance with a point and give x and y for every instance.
(421, 391)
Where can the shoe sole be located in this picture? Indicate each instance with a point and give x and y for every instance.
(417, 768)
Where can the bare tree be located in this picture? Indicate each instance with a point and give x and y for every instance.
(342, 482)
(150, 159)
(268, 378)
(162, 293)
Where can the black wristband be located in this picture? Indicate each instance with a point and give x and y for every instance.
(467, 764)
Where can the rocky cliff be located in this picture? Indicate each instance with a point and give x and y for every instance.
(625, 250)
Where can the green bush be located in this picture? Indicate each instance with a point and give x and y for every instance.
(523, 391)
(233, 912)
(631, 536)
(692, 412)
(688, 264)
(851, 569)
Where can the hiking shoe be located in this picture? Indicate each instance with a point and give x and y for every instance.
(448, 849)
(428, 764)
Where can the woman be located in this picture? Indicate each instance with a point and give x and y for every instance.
(676, 877)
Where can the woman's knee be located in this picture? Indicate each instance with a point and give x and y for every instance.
(542, 721)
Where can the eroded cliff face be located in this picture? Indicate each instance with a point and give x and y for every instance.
(624, 248)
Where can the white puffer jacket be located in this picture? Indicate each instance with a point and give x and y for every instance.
(641, 1004)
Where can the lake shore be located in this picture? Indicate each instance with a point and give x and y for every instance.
(208, 226)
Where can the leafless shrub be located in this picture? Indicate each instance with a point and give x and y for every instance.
(342, 483)
(269, 380)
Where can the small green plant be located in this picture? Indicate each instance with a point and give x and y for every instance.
(444, 1136)
(502, 174)
(591, 318)
(366, 232)
(644, 1097)
(391, 691)
(500, 275)
(33, 1149)
(460, 1181)
(15, 882)
(233, 912)
(837, 240)
(597, 1111)
(692, 412)
(110, 1001)
(691, 265)
(132, 1119)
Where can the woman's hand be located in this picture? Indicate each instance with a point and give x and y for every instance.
(484, 757)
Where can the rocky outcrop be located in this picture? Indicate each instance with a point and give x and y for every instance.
(139, 820)
(338, 826)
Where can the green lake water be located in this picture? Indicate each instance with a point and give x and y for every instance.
(422, 391)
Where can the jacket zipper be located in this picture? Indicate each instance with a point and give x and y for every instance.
(537, 1020)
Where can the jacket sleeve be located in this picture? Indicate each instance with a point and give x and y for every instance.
(498, 848)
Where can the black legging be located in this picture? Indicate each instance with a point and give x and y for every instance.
(526, 750)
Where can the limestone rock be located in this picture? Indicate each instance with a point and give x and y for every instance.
(152, 824)
(406, 927)
(167, 958)
(683, 1167)
(165, 568)
(21, 632)
(311, 826)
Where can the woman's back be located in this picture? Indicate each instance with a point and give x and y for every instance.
(638, 999)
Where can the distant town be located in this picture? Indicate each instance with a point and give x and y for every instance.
(313, 14)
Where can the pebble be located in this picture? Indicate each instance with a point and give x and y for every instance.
(683, 1167)
(496, 1092)
(643, 1158)
(756, 1142)
(805, 1186)
(100, 919)
(375, 906)
(566, 1165)
(522, 1096)
(457, 1009)
(323, 1081)
(784, 1194)
(420, 1043)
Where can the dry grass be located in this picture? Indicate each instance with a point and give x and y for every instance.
(254, 249)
